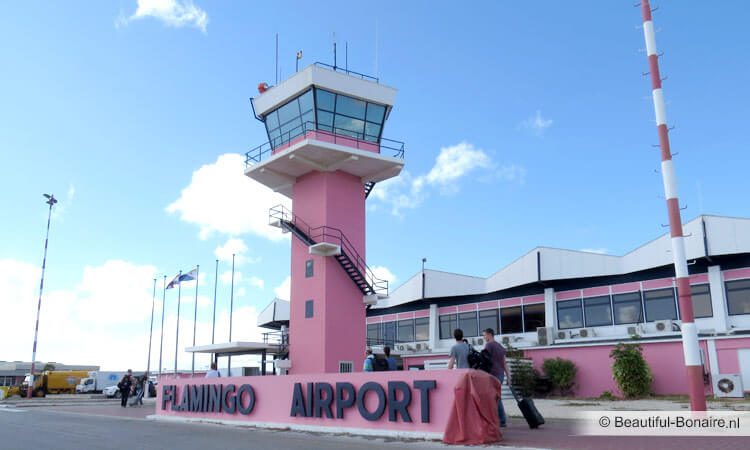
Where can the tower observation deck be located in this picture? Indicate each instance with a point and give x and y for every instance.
(326, 151)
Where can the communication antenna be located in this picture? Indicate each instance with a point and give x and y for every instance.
(296, 63)
(376, 48)
(334, 50)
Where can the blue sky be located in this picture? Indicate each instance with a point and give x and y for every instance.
(539, 109)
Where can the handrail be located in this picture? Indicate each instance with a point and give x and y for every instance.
(347, 71)
(257, 154)
(282, 213)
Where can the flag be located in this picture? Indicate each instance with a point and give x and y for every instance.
(189, 276)
(174, 282)
(192, 275)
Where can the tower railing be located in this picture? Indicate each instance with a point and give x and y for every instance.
(340, 136)
(347, 71)
(314, 235)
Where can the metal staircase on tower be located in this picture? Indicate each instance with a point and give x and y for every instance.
(330, 241)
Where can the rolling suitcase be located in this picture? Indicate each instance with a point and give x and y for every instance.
(529, 411)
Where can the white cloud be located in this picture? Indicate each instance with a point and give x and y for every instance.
(104, 319)
(601, 250)
(108, 309)
(283, 291)
(173, 13)
(226, 277)
(451, 165)
(220, 198)
(384, 273)
(257, 282)
(236, 247)
(537, 123)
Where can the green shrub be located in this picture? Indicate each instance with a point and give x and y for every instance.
(562, 373)
(630, 371)
(607, 395)
(513, 352)
(523, 377)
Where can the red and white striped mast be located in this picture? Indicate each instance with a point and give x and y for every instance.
(689, 331)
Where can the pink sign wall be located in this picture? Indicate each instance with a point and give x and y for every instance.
(274, 402)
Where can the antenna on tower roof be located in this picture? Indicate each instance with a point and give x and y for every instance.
(334, 50)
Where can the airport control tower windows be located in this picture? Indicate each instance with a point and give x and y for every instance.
(291, 120)
(347, 116)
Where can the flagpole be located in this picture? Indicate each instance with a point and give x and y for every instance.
(177, 335)
(216, 284)
(231, 311)
(151, 332)
(161, 342)
(195, 312)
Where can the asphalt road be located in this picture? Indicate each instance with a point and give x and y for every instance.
(42, 428)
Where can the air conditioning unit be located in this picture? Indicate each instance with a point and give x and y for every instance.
(563, 334)
(506, 340)
(419, 346)
(401, 347)
(663, 326)
(728, 385)
(586, 332)
(635, 330)
(478, 341)
(544, 335)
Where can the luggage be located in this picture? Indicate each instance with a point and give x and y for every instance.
(528, 409)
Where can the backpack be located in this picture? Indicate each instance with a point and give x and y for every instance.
(379, 364)
(479, 360)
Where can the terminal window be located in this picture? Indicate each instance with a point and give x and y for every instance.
(701, 295)
(660, 305)
(308, 309)
(308, 268)
(738, 297)
(598, 311)
(627, 308)
(569, 314)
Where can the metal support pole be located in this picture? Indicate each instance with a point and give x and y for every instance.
(231, 317)
(195, 313)
(690, 344)
(177, 334)
(161, 341)
(216, 284)
(151, 331)
(51, 200)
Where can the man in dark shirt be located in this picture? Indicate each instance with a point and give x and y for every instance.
(125, 386)
(499, 366)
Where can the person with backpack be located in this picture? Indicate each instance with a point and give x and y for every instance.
(459, 356)
(368, 365)
(390, 359)
(125, 385)
(499, 368)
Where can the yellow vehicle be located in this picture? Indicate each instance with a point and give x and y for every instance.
(54, 382)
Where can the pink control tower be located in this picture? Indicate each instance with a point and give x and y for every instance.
(326, 152)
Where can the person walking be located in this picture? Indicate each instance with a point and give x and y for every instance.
(213, 373)
(392, 365)
(140, 390)
(459, 356)
(499, 369)
(125, 385)
(368, 365)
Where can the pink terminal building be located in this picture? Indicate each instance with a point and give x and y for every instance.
(326, 151)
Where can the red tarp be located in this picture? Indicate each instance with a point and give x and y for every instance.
(474, 418)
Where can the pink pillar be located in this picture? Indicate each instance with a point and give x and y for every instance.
(336, 330)
(689, 332)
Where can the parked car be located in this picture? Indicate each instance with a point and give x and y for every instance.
(111, 391)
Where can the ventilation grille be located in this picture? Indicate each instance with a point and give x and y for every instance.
(346, 366)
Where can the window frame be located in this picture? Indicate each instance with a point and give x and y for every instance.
(524, 320)
(402, 324)
(692, 298)
(421, 322)
(598, 298)
(727, 290)
(453, 321)
(579, 307)
(646, 300)
(640, 307)
(520, 313)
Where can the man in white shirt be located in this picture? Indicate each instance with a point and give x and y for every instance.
(213, 373)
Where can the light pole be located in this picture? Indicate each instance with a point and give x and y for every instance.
(51, 200)
(151, 332)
